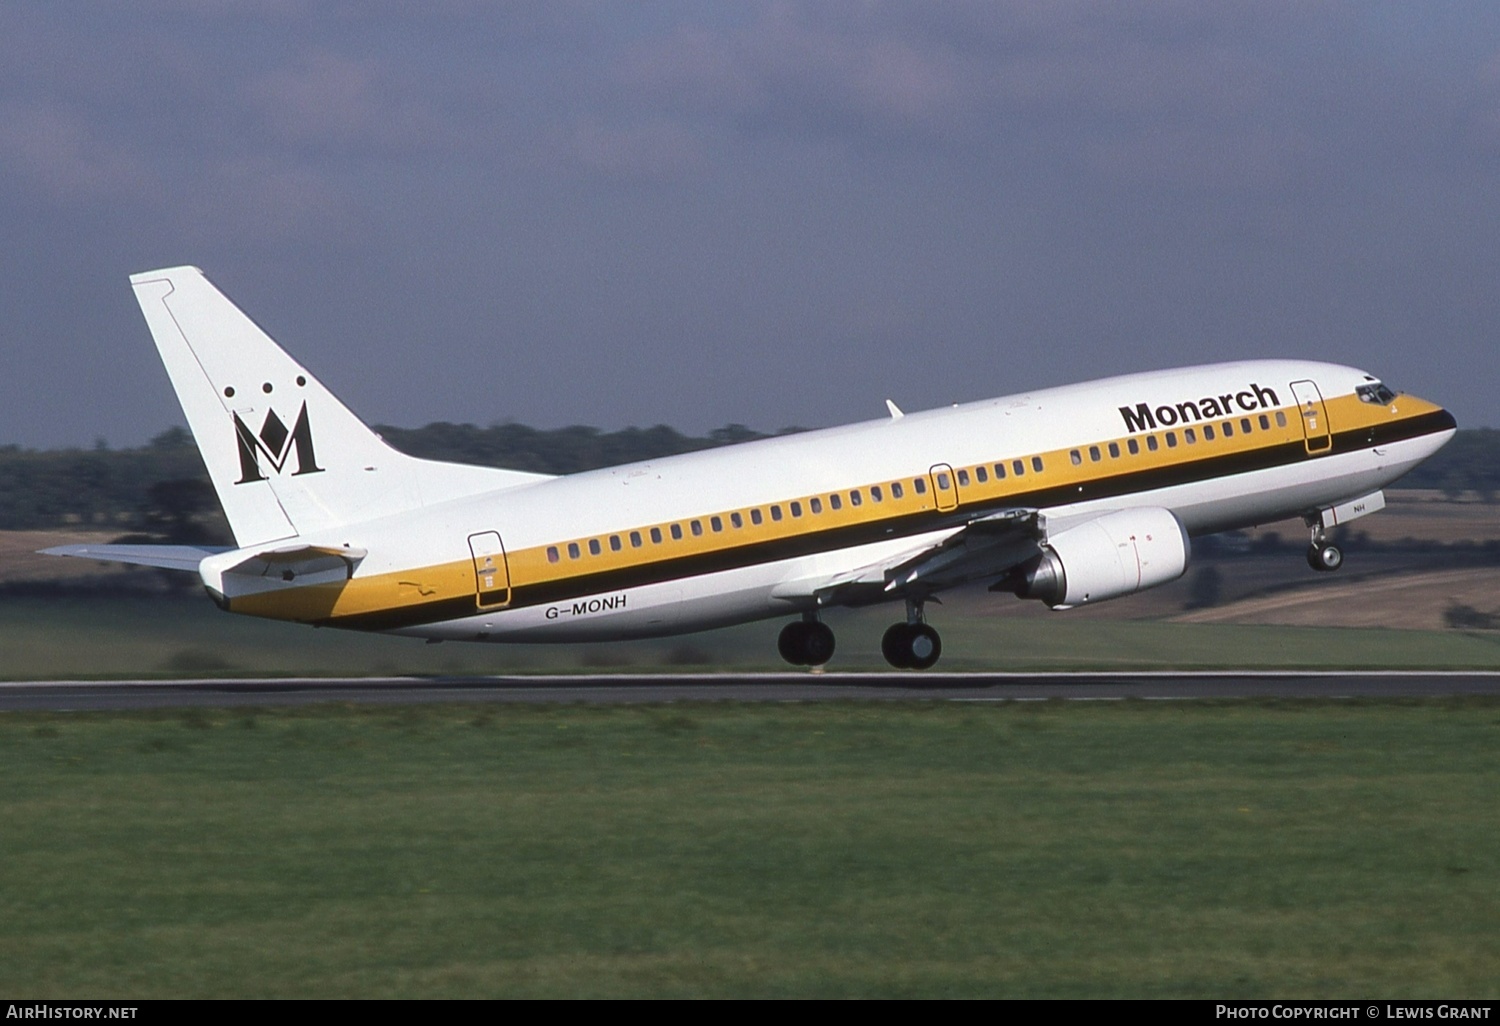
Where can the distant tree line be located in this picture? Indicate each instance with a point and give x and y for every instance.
(161, 490)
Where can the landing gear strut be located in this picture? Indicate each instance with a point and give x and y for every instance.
(806, 642)
(912, 645)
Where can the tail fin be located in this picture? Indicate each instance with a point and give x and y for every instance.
(285, 456)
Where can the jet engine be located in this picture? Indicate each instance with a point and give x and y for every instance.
(1112, 555)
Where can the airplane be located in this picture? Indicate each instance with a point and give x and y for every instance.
(1068, 496)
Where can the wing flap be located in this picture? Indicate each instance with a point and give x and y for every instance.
(985, 547)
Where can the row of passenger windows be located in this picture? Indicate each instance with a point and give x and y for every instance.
(1189, 436)
(791, 510)
(735, 521)
(775, 513)
(897, 490)
(981, 475)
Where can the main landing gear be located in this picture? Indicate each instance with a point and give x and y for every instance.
(1323, 555)
(806, 642)
(913, 645)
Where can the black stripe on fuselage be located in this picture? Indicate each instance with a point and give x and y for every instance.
(1187, 471)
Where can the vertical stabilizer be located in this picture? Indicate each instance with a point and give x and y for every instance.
(285, 456)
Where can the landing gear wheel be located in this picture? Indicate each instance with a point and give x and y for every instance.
(924, 645)
(806, 643)
(789, 643)
(1325, 558)
(911, 646)
(893, 645)
(817, 644)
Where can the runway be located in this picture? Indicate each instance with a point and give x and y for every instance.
(603, 689)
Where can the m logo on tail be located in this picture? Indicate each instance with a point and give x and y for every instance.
(277, 444)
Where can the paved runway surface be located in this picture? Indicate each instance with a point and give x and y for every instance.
(769, 687)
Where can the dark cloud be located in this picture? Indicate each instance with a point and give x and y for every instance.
(767, 212)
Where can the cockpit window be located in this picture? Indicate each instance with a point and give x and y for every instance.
(1376, 394)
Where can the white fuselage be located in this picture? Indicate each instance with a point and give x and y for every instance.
(593, 555)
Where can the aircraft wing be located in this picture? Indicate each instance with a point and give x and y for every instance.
(983, 548)
(170, 557)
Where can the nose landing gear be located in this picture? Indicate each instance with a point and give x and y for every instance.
(1323, 555)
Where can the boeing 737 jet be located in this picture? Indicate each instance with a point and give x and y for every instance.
(1068, 496)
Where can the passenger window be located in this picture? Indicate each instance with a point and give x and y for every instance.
(896, 490)
(1075, 457)
(999, 471)
(755, 517)
(1171, 439)
(796, 508)
(1114, 450)
(1208, 432)
(1280, 419)
(573, 551)
(1018, 466)
(552, 556)
(854, 499)
(677, 532)
(1094, 455)
(696, 527)
(1151, 443)
(963, 478)
(655, 536)
(716, 523)
(635, 539)
(775, 512)
(735, 520)
(1133, 446)
(815, 505)
(943, 482)
(875, 494)
(594, 547)
(1245, 425)
(1036, 464)
(614, 543)
(1265, 422)
(981, 475)
(1228, 427)
(1190, 436)
(920, 485)
(834, 502)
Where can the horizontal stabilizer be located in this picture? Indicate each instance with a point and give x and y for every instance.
(168, 557)
(291, 562)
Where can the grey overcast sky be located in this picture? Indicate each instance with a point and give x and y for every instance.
(769, 213)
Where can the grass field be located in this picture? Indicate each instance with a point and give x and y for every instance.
(73, 638)
(1025, 849)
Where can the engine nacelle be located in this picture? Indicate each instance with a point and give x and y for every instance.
(1112, 555)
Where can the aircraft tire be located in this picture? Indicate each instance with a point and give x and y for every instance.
(924, 645)
(1325, 558)
(806, 644)
(911, 646)
(817, 644)
(790, 644)
(894, 646)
